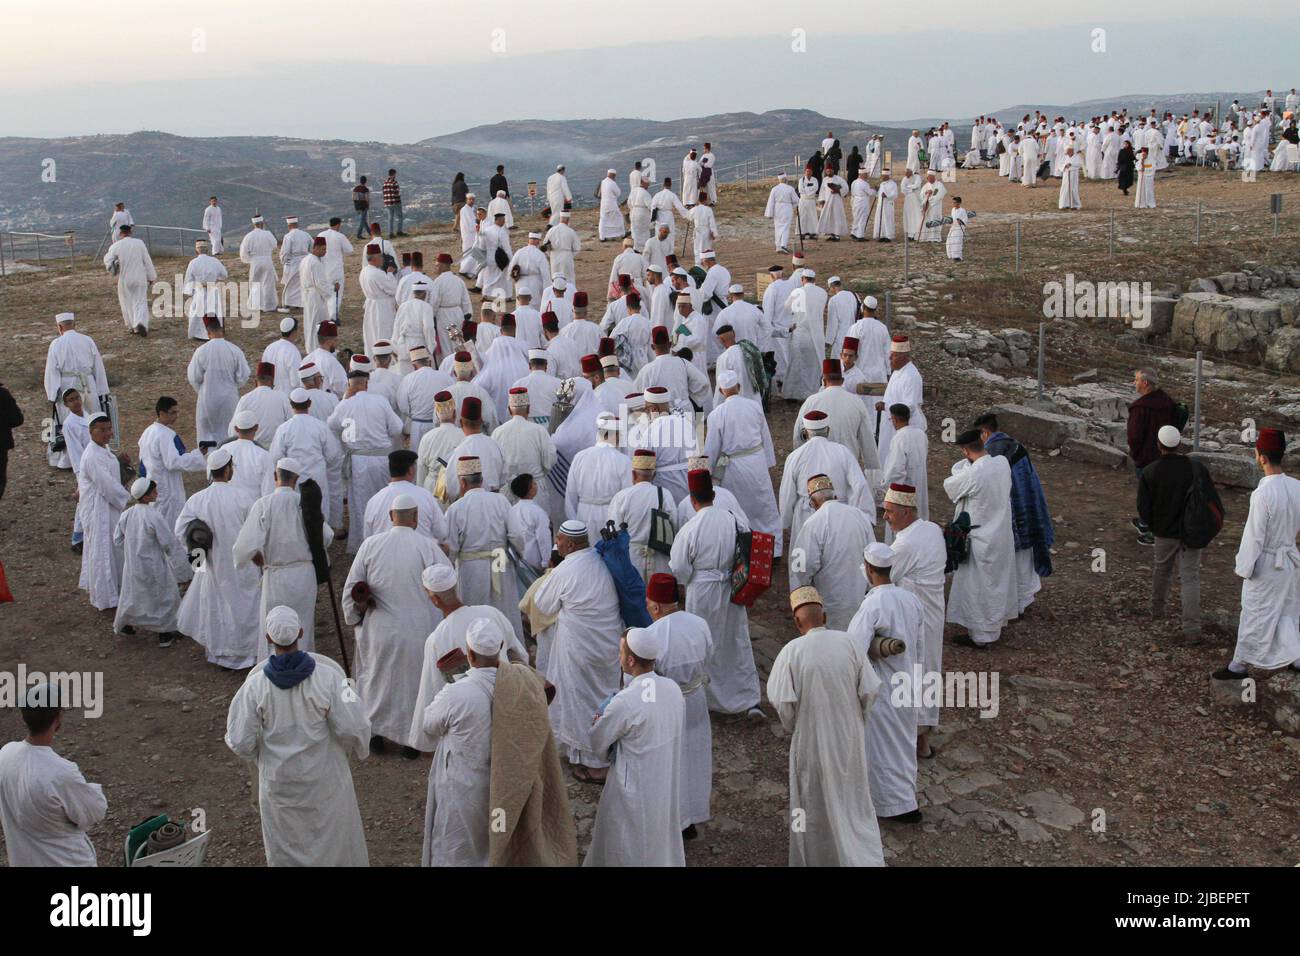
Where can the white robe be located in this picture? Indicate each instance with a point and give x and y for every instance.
(557, 194)
(920, 556)
(828, 556)
(368, 429)
(632, 506)
(861, 194)
(212, 226)
(135, 271)
(217, 371)
(832, 221)
(595, 476)
(100, 500)
(821, 456)
(1068, 197)
(808, 187)
(204, 284)
(955, 246)
(822, 686)
(286, 357)
(562, 244)
(905, 387)
(481, 525)
(46, 807)
(688, 645)
(612, 224)
(379, 288)
(930, 198)
(906, 465)
(257, 250)
(807, 304)
(782, 202)
(701, 560)
(1268, 634)
(163, 465)
(983, 596)
(151, 558)
(300, 739)
(294, 247)
(739, 444)
(310, 441)
(73, 361)
(458, 817)
(852, 425)
(638, 821)
(272, 409)
(317, 296)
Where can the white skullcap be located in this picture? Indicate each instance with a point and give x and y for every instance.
(218, 458)
(1169, 436)
(708, 254)
(97, 417)
(645, 643)
(611, 172)
(559, 281)
(484, 637)
(534, 235)
(299, 396)
(573, 529)
(728, 378)
(679, 271)
(289, 465)
(657, 269)
(782, 177)
(879, 555)
(537, 355)
(736, 289)
(288, 324)
(559, 167)
(870, 302)
(439, 578)
(63, 318)
(403, 503)
(140, 487)
(605, 422)
(245, 418)
(808, 274)
(282, 625)
(501, 192)
(833, 280)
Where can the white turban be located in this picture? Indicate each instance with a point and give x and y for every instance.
(645, 643)
(439, 578)
(218, 458)
(879, 555)
(282, 625)
(484, 638)
(728, 378)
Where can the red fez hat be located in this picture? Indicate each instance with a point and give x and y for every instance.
(469, 328)
(699, 481)
(550, 320)
(471, 409)
(590, 363)
(443, 396)
(519, 390)
(660, 335)
(831, 367)
(624, 280)
(606, 347)
(265, 369)
(662, 589)
(211, 322)
(406, 258)
(464, 357)
(850, 344)
(508, 320)
(372, 250)
(815, 416)
(327, 330)
(417, 258)
(579, 300)
(634, 300)
(905, 489)
(445, 258)
(1270, 440)
(319, 241)
(375, 227)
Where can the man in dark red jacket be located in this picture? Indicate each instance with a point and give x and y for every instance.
(1152, 410)
(11, 416)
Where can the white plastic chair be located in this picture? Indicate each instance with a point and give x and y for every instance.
(189, 853)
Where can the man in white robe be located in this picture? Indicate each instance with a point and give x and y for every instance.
(808, 187)
(905, 387)
(828, 551)
(151, 560)
(984, 593)
(217, 371)
(526, 446)
(691, 178)
(1068, 198)
(832, 222)
(121, 217)
(909, 450)
(205, 276)
(384, 601)
(807, 306)
(268, 405)
(851, 423)
(955, 245)
(73, 361)
(481, 528)
(638, 820)
(379, 289)
(782, 203)
(309, 441)
(596, 474)
(294, 247)
(163, 457)
(704, 230)
(368, 429)
(557, 194)
(212, 225)
(882, 214)
(1029, 160)
(285, 355)
(818, 455)
(337, 247)
(638, 210)
(861, 193)
(739, 444)
(1145, 197)
(612, 225)
(665, 207)
(561, 244)
(930, 198)
(254, 470)
(494, 243)
(128, 258)
(318, 291)
(100, 500)
(635, 506)
(298, 720)
(822, 686)
(702, 556)
(257, 250)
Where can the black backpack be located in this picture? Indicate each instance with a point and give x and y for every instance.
(1202, 510)
(1181, 415)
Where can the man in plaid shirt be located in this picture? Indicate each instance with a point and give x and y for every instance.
(393, 203)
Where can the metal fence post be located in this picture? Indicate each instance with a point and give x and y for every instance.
(1042, 350)
(3, 273)
(148, 239)
(1017, 247)
(38, 250)
(1198, 222)
(907, 272)
(180, 243)
(1111, 244)
(1196, 405)
(889, 311)
(746, 174)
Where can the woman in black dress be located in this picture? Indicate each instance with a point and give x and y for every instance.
(1126, 160)
(852, 165)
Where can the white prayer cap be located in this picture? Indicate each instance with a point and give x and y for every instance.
(782, 177)
(282, 625)
(833, 280)
(808, 274)
(290, 465)
(290, 219)
(140, 487)
(64, 318)
(611, 172)
(534, 235)
(605, 422)
(879, 555)
(501, 193)
(573, 529)
(645, 643)
(708, 254)
(96, 418)
(559, 168)
(421, 285)
(288, 324)
(403, 503)
(257, 219)
(870, 302)
(245, 418)
(736, 289)
(1169, 436)
(439, 578)
(218, 458)
(679, 271)
(300, 396)
(484, 637)
(537, 355)
(559, 281)
(728, 378)
(656, 269)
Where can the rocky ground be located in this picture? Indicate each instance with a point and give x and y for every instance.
(1109, 746)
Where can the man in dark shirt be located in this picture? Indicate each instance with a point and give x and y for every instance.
(1162, 498)
(498, 183)
(11, 416)
(1152, 410)
(361, 203)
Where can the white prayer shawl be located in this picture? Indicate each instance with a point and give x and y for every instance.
(808, 186)
(204, 278)
(254, 470)
(956, 243)
(46, 807)
(390, 636)
(557, 194)
(873, 350)
(300, 738)
(368, 429)
(638, 821)
(821, 456)
(493, 279)
(701, 560)
(828, 555)
(430, 520)
(216, 372)
(534, 270)
(688, 645)
(583, 660)
(562, 244)
(851, 424)
(612, 225)
(920, 556)
(286, 357)
(739, 445)
(135, 271)
(163, 465)
(832, 221)
(457, 819)
(220, 608)
(906, 465)
(807, 304)
(275, 529)
(782, 202)
(632, 506)
(1268, 635)
(905, 387)
(294, 247)
(983, 594)
(380, 311)
(481, 526)
(212, 226)
(317, 296)
(822, 686)
(270, 406)
(151, 560)
(890, 611)
(257, 250)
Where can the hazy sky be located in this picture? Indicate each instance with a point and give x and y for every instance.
(405, 69)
